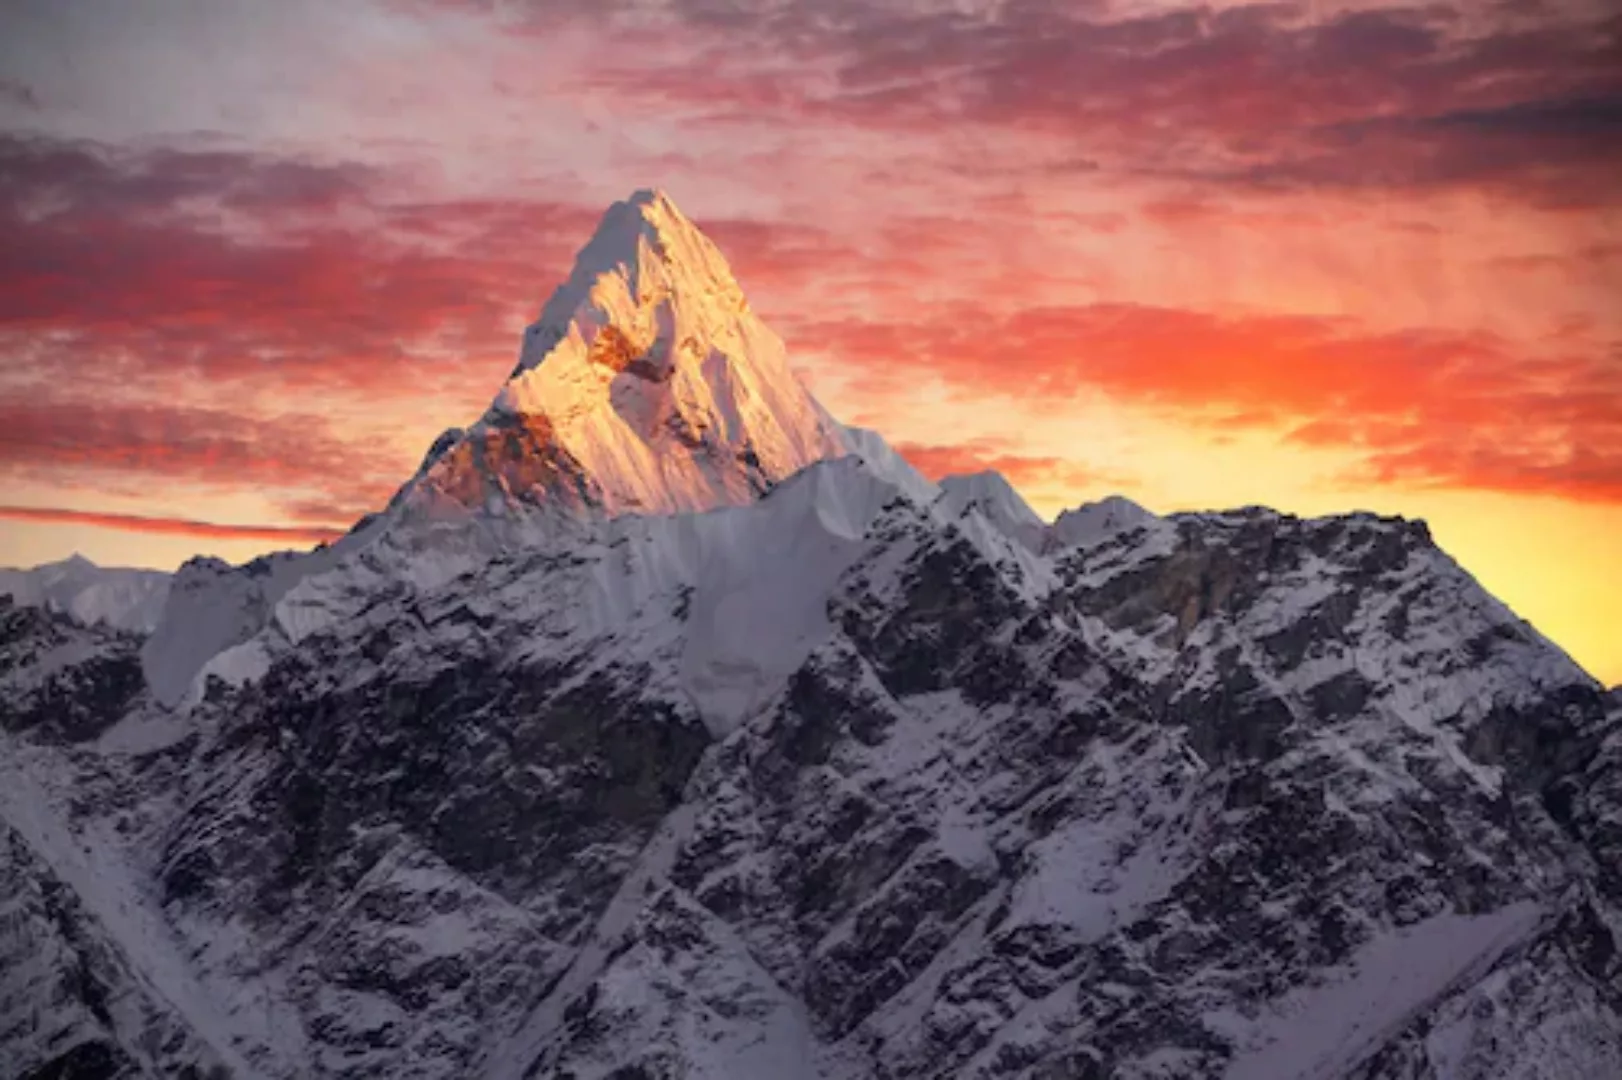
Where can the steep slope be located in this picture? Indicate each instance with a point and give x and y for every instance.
(994, 498)
(62, 678)
(126, 599)
(844, 775)
(647, 386)
(213, 606)
(91, 981)
(981, 837)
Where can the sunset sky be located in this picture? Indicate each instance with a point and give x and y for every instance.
(1321, 256)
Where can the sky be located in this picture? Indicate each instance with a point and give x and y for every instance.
(1321, 256)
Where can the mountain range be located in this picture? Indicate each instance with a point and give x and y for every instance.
(661, 726)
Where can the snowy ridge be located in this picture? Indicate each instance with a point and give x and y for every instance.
(1092, 522)
(125, 599)
(212, 606)
(994, 497)
(1328, 1030)
(114, 905)
(749, 626)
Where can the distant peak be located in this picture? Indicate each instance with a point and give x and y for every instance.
(994, 495)
(644, 254)
(1093, 521)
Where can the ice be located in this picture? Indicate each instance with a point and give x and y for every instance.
(1091, 876)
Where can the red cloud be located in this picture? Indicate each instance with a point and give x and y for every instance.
(106, 263)
(109, 272)
(1425, 407)
(1026, 472)
(295, 460)
(1266, 96)
(170, 526)
(781, 257)
(106, 268)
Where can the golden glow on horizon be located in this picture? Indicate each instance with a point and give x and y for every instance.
(1552, 561)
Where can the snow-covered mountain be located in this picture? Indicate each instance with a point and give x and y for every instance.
(578, 762)
(646, 386)
(127, 599)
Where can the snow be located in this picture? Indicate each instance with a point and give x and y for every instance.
(713, 1005)
(648, 372)
(1095, 521)
(1325, 1031)
(43, 666)
(1564, 1036)
(1092, 876)
(143, 732)
(994, 497)
(116, 900)
(125, 599)
(883, 461)
(751, 625)
(213, 606)
(652, 867)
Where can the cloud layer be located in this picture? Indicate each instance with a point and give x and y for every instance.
(202, 530)
(241, 267)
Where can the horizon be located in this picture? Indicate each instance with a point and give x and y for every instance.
(243, 294)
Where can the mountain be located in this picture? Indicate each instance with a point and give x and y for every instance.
(992, 497)
(127, 599)
(1094, 521)
(569, 765)
(646, 386)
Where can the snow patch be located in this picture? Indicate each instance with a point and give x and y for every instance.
(1324, 1031)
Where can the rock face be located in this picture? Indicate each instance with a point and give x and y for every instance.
(859, 776)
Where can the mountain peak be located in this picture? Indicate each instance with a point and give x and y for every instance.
(651, 197)
(647, 385)
(645, 253)
(1094, 520)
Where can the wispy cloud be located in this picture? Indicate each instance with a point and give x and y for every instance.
(1422, 406)
(165, 526)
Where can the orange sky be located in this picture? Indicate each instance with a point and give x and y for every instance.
(1327, 256)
